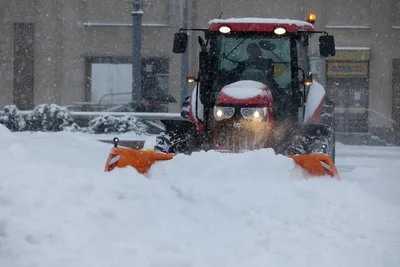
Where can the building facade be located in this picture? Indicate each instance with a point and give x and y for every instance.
(68, 52)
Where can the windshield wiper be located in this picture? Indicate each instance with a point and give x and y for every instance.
(226, 57)
(280, 59)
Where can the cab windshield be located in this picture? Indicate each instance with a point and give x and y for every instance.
(264, 59)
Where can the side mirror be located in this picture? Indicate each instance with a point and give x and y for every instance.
(180, 42)
(327, 46)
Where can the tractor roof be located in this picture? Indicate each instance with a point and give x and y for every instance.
(260, 24)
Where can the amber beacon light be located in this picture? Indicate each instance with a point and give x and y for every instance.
(191, 79)
(311, 18)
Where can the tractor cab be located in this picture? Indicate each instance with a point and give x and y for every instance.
(273, 52)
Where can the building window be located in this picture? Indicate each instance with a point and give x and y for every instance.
(347, 85)
(24, 62)
(396, 12)
(396, 99)
(109, 82)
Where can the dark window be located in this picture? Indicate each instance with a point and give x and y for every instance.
(351, 101)
(396, 99)
(24, 61)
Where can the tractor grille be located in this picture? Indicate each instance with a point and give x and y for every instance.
(236, 134)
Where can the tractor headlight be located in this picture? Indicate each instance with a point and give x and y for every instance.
(224, 29)
(221, 113)
(279, 31)
(254, 113)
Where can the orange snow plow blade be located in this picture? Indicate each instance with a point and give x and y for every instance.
(317, 164)
(140, 160)
(120, 157)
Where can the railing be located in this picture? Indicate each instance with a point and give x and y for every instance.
(113, 94)
(174, 116)
(152, 116)
(355, 128)
(152, 119)
(140, 115)
(114, 105)
(369, 110)
(111, 105)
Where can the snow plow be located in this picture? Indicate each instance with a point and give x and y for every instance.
(254, 90)
(142, 160)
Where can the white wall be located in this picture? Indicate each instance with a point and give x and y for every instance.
(111, 78)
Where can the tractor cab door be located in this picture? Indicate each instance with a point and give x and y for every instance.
(303, 76)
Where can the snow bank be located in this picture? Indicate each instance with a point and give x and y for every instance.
(375, 168)
(58, 208)
(244, 89)
(5, 134)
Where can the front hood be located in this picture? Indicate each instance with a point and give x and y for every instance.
(245, 93)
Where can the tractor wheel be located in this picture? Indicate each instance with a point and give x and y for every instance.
(328, 118)
(178, 138)
(173, 143)
(326, 143)
(314, 144)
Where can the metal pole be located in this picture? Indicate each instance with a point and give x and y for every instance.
(185, 56)
(136, 54)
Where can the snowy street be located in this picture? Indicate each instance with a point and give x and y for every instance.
(374, 168)
(59, 208)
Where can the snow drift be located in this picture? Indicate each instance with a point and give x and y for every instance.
(5, 135)
(58, 208)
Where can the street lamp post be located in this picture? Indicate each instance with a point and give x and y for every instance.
(137, 14)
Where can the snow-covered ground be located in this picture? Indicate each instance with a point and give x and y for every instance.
(376, 169)
(59, 208)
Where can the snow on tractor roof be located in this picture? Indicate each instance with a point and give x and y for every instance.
(260, 24)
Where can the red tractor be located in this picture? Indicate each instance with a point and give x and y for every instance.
(255, 90)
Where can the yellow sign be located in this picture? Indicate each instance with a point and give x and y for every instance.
(347, 69)
(280, 69)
